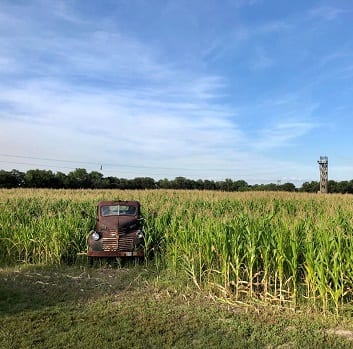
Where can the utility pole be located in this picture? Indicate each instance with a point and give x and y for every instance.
(323, 163)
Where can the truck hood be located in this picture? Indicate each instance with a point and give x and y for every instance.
(120, 223)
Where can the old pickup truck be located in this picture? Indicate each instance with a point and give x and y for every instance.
(118, 231)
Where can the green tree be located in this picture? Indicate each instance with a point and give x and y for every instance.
(209, 185)
(310, 187)
(287, 187)
(78, 179)
(240, 185)
(164, 183)
(11, 179)
(95, 179)
(60, 180)
(39, 179)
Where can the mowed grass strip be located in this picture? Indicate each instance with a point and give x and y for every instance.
(75, 307)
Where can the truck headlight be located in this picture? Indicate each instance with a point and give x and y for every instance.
(95, 236)
(139, 234)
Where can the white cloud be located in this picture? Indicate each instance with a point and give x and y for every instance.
(282, 134)
(80, 89)
(244, 3)
(262, 59)
(328, 13)
(127, 125)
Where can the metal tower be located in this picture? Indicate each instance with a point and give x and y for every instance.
(323, 163)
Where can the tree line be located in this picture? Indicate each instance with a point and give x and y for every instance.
(81, 179)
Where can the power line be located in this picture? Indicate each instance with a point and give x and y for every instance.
(261, 180)
(32, 164)
(47, 159)
(107, 168)
(98, 164)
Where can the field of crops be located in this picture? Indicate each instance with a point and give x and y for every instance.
(288, 249)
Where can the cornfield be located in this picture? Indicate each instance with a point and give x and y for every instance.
(286, 249)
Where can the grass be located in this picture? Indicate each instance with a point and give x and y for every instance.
(135, 306)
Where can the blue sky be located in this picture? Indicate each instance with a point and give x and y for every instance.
(243, 89)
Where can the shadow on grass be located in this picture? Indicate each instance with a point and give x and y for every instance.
(29, 288)
(81, 307)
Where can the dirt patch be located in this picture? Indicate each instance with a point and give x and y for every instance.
(341, 333)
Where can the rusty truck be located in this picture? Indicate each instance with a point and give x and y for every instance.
(118, 231)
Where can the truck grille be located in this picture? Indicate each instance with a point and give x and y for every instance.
(110, 241)
(126, 242)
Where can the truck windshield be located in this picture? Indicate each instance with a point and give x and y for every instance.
(118, 210)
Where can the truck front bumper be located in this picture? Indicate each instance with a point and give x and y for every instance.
(139, 253)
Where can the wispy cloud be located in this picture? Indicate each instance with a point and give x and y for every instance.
(81, 85)
(275, 26)
(242, 3)
(111, 90)
(328, 13)
(262, 59)
(282, 134)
